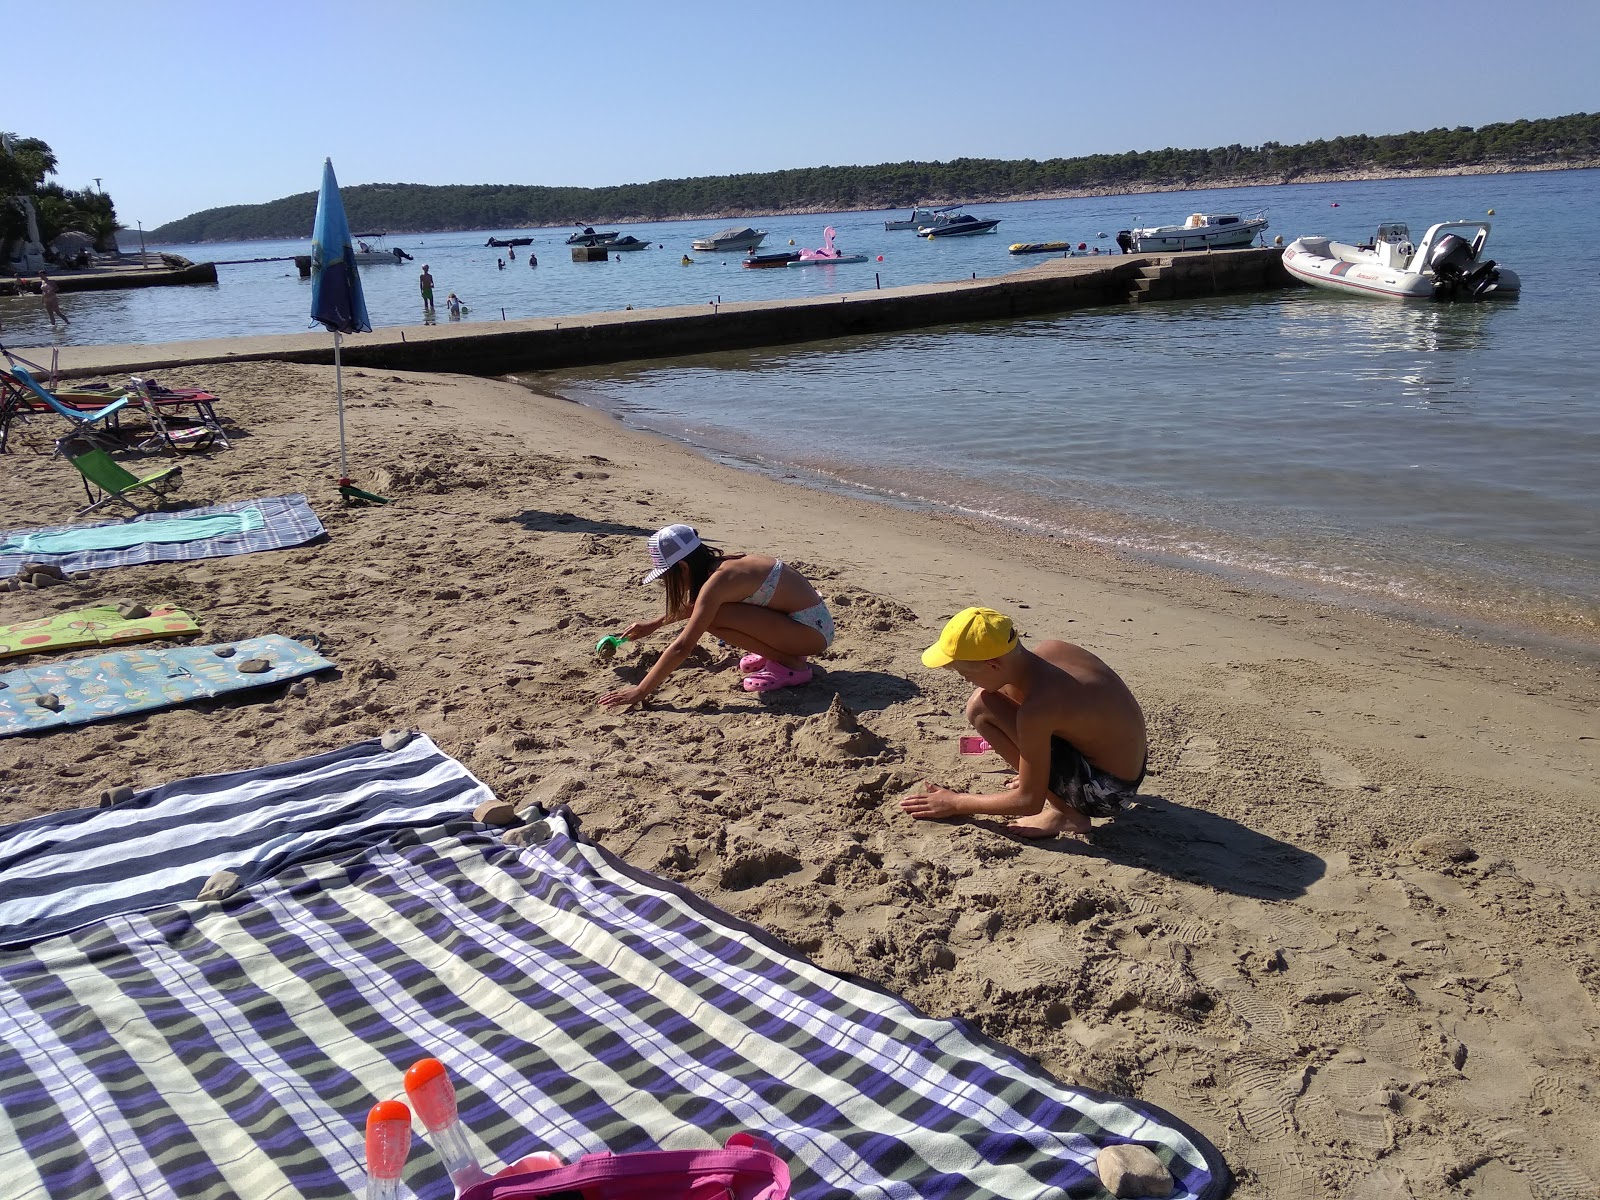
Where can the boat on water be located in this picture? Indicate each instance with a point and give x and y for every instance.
(774, 258)
(1448, 264)
(921, 216)
(588, 237)
(1041, 247)
(1202, 231)
(735, 237)
(503, 242)
(961, 225)
(829, 255)
(370, 249)
(626, 243)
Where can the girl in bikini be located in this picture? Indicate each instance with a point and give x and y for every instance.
(751, 601)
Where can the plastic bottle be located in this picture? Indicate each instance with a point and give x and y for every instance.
(434, 1098)
(388, 1144)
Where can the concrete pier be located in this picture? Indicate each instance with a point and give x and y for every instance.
(548, 343)
(102, 279)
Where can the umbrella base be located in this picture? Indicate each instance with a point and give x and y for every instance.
(351, 493)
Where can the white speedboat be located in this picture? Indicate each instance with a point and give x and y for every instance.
(922, 216)
(735, 237)
(1448, 265)
(370, 248)
(1202, 231)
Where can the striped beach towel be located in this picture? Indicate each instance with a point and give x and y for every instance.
(64, 870)
(234, 1049)
(285, 521)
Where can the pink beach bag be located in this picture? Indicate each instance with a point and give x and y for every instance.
(745, 1169)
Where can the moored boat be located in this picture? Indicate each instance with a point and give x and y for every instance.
(503, 242)
(921, 216)
(776, 258)
(1448, 264)
(1202, 231)
(735, 237)
(588, 237)
(370, 249)
(628, 242)
(961, 225)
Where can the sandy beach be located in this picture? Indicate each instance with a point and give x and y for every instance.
(1349, 933)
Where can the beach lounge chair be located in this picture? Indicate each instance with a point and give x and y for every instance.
(89, 425)
(174, 437)
(115, 482)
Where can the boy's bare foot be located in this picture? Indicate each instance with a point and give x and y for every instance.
(1052, 822)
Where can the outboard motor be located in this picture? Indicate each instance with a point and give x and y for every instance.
(1125, 240)
(1457, 275)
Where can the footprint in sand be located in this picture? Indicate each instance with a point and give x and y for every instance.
(1199, 753)
(1337, 772)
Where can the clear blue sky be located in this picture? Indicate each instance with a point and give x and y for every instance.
(180, 105)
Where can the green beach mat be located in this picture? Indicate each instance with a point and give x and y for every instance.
(100, 625)
(120, 537)
(129, 681)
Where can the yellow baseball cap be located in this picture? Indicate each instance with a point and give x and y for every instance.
(972, 635)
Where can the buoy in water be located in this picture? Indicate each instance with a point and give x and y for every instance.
(1491, 212)
(880, 258)
(1333, 204)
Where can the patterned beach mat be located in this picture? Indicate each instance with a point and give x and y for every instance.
(98, 625)
(234, 1050)
(143, 680)
(63, 870)
(286, 521)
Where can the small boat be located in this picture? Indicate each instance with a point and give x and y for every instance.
(735, 237)
(829, 255)
(962, 225)
(1041, 247)
(1202, 231)
(590, 238)
(370, 248)
(1447, 265)
(921, 216)
(626, 243)
(502, 242)
(776, 258)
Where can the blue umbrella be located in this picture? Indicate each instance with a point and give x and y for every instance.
(336, 298)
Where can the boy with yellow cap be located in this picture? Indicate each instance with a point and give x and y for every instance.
(1063, 719)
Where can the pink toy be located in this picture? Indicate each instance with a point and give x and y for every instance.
(388, 1144)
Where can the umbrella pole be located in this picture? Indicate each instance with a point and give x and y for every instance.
(338, 388)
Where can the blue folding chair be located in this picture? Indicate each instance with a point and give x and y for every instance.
(86, 425)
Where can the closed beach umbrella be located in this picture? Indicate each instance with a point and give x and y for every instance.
(336, 299)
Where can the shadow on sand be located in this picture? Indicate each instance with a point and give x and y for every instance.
(861, 691)
(1196, 846)
(535, 521)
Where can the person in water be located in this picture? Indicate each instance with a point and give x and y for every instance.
(751, 601)
(1063, 720)
(452, 304)
(425, 281)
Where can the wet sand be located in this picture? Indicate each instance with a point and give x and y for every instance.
(1349, 933)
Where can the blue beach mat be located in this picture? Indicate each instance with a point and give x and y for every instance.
(233, 1048)
(62, 870)
(138, 680)
(241, 527)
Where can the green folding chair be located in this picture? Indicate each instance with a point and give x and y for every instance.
(115, 482)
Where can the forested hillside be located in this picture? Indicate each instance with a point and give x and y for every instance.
(410, 207)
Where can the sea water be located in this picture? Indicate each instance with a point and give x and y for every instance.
(1436, 459)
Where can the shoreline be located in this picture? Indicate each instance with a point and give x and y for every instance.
(1089, 193)
(1341, 934)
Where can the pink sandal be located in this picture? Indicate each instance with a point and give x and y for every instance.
(751, 663)
(774, 676)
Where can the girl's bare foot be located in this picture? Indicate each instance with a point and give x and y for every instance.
(1052, 822)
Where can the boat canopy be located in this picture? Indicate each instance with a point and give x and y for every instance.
(733, 231)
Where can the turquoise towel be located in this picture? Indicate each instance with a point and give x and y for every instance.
(136, 533)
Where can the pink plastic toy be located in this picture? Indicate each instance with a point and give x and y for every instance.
(434, 1097)
(388, 1144)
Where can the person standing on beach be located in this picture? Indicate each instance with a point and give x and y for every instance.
(52, 300)
(751, 601)
(426, 280)
(1063, 720)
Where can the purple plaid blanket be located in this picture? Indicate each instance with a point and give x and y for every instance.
(289, 522)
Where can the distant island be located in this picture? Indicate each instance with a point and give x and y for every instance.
(1547, 144)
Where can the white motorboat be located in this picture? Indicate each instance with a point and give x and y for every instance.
(735, 237)
(1448, 265)
(370, 248)
(960, 225)
(1202, 231)
(922, 216)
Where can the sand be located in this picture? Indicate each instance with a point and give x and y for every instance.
(1349, 933)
